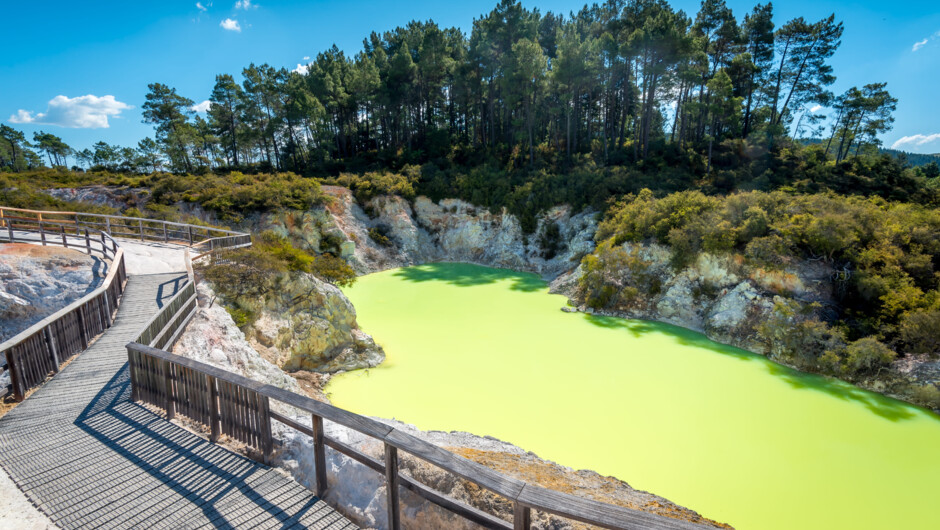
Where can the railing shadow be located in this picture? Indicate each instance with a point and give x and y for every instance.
(169, 288)
(111, 418)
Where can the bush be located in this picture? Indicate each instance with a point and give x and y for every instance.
(256, 270)
(375, 183)
(613, 277)
(867, 355)
(379, 234)
(794, 334)
(920, 332)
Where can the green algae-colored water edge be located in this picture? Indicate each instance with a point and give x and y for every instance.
(722, 431)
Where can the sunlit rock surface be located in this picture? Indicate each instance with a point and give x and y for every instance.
(720, 296)
(454, 230)
(36, 281)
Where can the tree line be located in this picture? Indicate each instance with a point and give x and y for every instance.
(626, 81)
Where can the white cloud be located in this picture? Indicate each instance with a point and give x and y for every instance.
(306, 57)
(201, 7)
(816, 108)
(245, 4)
(202, 107)
(919, 45)
(230, 24)
(83, 112)
(915, 140)
(301, 69)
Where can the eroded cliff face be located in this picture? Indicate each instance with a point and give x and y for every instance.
(358, 492)
(310, 325)
(456, 231)
(719, 296)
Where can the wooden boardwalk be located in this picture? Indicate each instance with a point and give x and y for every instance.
(88, 457)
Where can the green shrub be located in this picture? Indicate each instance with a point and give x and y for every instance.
(920, 332)
(867, 355)
(614, 277)
(793, 334)
(379, 234)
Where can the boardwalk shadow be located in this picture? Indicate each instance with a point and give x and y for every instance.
(206, 475)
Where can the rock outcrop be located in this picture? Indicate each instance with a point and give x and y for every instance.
(118, 198)
(308, 324)
(719, 296)
(456, 231)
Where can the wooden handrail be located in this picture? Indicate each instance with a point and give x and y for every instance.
(524, 495)
(42, 348)
(133, 226)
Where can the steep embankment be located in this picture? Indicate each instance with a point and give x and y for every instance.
(719, 296)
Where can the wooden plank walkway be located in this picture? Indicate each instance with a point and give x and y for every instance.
(88, 457)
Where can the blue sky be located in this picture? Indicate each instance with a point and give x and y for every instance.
(87, 64)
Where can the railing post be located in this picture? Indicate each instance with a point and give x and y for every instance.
(391, 487)
(132, 362)
(107, 222)
(215, 426)
(87, 242)
(319, 455)
(140, 223)
(190, 234)
(50, 340)
(42, 232)
(267, 438)
(10, 230)
(80, 311)
(521, 516)
(107, 309)
(170, 398)
(19, 390)
(166, 238)
(65, 242)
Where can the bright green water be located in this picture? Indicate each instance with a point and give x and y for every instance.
(719, 430)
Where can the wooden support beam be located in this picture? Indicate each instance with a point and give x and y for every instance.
(319, 455)
(521, 516)
(50, 340)
(391, 487)
(215, 426)
(168, 381)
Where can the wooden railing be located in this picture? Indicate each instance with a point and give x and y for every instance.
(41, 349)
(53, 224)
(230, 404)
(239, 407)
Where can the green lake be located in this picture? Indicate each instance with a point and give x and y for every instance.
(722, 431)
